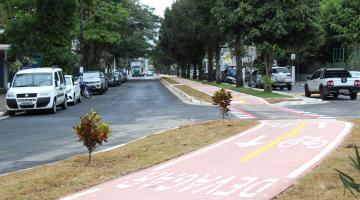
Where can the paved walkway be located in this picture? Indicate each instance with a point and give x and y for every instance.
(256, 164)
(2, 103)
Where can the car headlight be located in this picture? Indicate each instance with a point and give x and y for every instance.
(44, 94)
(10, 95)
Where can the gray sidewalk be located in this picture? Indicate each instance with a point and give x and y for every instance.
(2, 104)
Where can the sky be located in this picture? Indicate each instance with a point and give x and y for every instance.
(159, 5)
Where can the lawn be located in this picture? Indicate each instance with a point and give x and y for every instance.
(248, 91)
(169, 80)
(195, 93)
(72, 175)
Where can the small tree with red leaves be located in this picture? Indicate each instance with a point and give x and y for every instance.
(92, 131)
(222, 98)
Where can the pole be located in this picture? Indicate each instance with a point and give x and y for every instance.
(81, 37)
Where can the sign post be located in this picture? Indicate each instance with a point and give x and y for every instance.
(293, 71)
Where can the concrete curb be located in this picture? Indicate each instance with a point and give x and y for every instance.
(183, 96)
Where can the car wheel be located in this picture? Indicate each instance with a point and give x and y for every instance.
(281, 88)
(74, 99)
(307, 91)
(11, 113)
(353, 95)
(323, 95)
(53, 109)
(64, 104)
(79, 99)
(289, 87)
(336, 95)
(101, 91)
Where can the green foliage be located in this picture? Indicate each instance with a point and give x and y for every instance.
(268, 83)
(222, 98)
(349, 183)
(92, 131)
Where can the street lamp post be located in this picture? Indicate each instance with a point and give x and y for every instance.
(293, 58)
(81, 36)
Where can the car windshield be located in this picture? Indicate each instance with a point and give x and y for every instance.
(282, 70)
(33, 80)
(336, 74)
(91, 75)
(68, 80)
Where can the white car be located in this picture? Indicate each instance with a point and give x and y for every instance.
(36, 89)
(332, 81)
(72, 90)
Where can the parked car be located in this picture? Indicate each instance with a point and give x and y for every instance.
(230, 75)
(150, 73)
(280, 76)
(124, 74)
(113, 79)
(72, 90)
(36, 89)
(355, 74)
(332, 81)
(95, 80)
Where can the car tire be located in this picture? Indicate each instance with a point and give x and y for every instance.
(64, 104)
(53, 109)
(79, 99)
(307, 91)
(11, 113)
(336, 95)
(289, 87)
(74, 99)
(353, 95)
(281, 88)
(323, 95)
(101, 91)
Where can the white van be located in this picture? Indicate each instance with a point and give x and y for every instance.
(36, 89)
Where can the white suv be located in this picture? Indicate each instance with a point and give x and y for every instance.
(36, 89)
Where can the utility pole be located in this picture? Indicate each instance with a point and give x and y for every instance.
(81, 37)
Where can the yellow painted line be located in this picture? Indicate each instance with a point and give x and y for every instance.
(275, 142)
(242, 102)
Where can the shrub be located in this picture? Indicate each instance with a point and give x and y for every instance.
(349, 182)
(92, 131)
(222, 98)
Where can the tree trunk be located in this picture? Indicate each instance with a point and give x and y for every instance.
(217, 64)
(239, 67)
(89, 160)
(177, 70)
(268, 61)
(183, 71)
(201, 71)
(195, 72)
(210, 65)
(188, 74)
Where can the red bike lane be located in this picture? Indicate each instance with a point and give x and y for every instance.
(256, 164)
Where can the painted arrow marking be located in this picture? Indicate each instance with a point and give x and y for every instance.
(253, 142)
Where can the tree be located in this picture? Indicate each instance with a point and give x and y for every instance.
(222, 98)
(282, 24)
(235, 17)
(92, 131)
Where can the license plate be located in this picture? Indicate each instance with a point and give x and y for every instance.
(26, 103)
(344, 91)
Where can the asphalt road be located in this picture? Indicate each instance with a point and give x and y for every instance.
(341, 107)
(135, 109)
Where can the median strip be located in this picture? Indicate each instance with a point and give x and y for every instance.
(73, 175)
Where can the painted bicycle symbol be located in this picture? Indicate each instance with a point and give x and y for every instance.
(308, 141)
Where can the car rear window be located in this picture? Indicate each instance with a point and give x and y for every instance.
(336, 74)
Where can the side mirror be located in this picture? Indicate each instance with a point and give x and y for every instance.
(8, 86)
